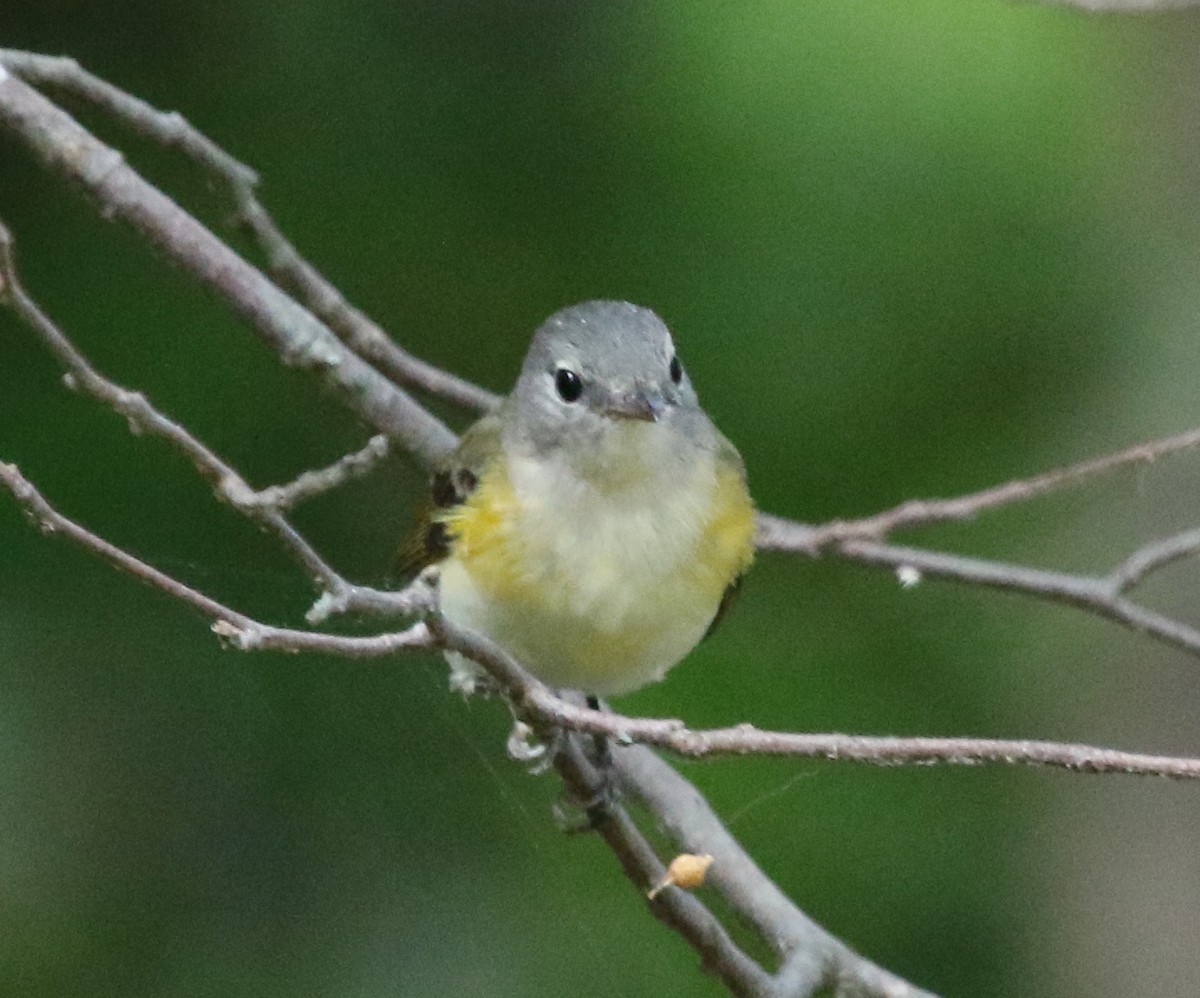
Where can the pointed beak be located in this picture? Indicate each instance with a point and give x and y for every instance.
(639, 405)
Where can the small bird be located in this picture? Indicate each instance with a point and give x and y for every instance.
(596, 525)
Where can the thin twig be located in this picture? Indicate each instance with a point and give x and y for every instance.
(49, 521)
(1151, 557)
(810, 957)
(353, 598)
(292, 331)
(171, 129)
(265, 506)
(1097, 595)
(310, 484)
(678, 909)
(532, 696)
(922, 512)
(144, 418)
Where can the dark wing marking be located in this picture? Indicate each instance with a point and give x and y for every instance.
(727, 600)
(428, 542)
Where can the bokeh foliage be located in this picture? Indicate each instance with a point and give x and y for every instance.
(907, 249)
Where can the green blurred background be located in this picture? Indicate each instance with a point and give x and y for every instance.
(907, 249)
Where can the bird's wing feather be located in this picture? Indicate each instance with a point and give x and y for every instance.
(452, 482)
(727, 601)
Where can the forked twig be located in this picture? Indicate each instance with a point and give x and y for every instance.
(924, 512)
(292, 331)
(172, 129)
(310, 484)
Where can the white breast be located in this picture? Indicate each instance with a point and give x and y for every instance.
(610, 605)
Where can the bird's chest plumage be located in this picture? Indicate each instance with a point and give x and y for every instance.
(601, 589)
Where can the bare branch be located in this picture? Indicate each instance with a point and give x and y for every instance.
(352, 598)
(533, 697)
(883, 751)
(1097, 595)
(861, 540)
(922, 512)
(292, 331)
(310, 484)
(171, 129)
(256, 636)
(679, 910)
(144, 418)
(811, 957)
(1150, 558)
(49, 521)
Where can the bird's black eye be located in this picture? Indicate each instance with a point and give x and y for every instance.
(568, 384)
(676, 370)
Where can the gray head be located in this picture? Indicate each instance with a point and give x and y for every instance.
(602, 370)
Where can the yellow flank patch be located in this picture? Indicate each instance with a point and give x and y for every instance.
(726, 548)
(482, 530)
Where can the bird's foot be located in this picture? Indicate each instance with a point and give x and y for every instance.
(598, 807)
